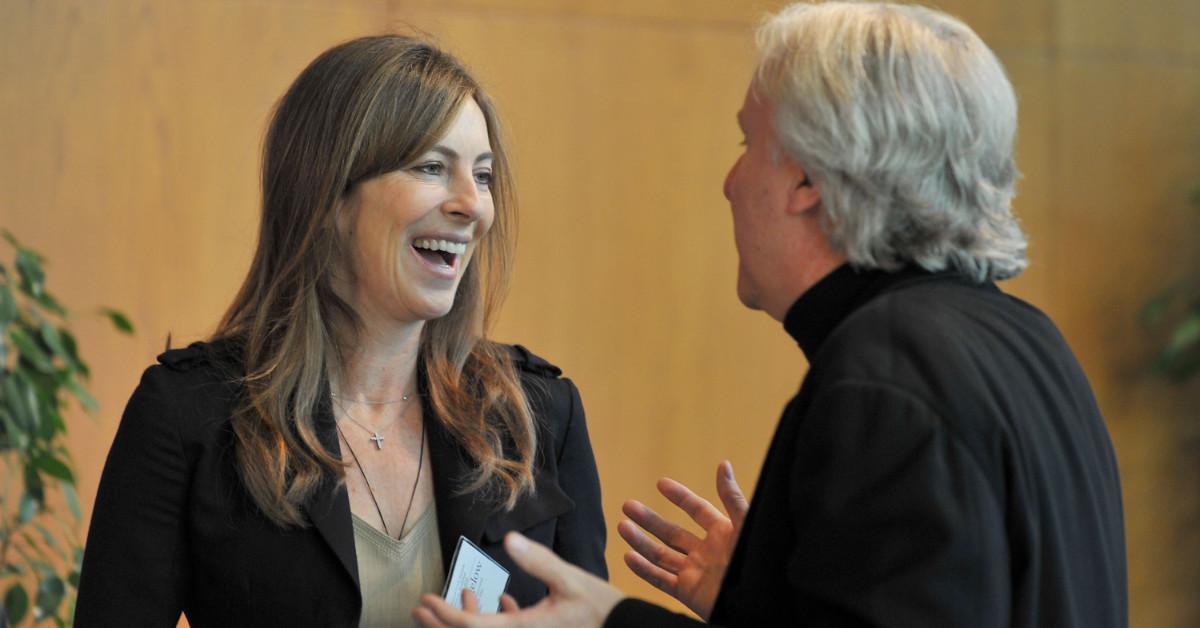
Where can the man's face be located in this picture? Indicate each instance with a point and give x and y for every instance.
(759, 187)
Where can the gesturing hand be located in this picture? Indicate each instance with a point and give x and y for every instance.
(576, 598)
(688, 568)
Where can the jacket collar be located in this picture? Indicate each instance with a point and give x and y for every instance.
(819, 311)
(330, 507)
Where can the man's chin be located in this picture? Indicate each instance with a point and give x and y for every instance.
(747, 296)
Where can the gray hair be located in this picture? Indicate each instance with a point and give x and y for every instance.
(906, 121)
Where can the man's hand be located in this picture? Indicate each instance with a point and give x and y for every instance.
(577, 598)
(688, 568)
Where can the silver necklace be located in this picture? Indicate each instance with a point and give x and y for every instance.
(373, 402)
(370, 491)
(375, 435)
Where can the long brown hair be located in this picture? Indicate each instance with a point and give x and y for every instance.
(362, 109)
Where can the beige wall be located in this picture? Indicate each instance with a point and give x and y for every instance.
(129, 137)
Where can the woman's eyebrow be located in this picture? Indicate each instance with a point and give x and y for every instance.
(450, 153)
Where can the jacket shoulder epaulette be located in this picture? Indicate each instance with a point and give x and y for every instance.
(186, 358)
(527, 361)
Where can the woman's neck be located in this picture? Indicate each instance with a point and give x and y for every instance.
(381, 365)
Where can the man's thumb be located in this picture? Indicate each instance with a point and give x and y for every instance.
(538, 560)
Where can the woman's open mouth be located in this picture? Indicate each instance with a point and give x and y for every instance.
(442, 253)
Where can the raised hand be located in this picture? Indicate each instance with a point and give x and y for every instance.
(687, 567)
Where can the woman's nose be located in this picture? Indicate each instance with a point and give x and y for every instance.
(466, 199)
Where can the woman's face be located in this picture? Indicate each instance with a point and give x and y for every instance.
(412, 231)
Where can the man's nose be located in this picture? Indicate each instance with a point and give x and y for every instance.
(727, 188)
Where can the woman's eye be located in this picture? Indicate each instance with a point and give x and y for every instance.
(484, 178)
(433, 169)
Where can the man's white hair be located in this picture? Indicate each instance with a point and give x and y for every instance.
(906, 121)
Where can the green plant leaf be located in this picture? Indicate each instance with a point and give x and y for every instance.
(30, 351)
(54, 467)
(85, 398)
(15, 436)
(50, 303)
(42, 567)
(29, 269)
(51, 542)
(12, 569)
(12, 239)
(29, 508)
(1183, 367)
(73, 348)
(16, 603)
(72, 499)
(8, 306)
(34, 485)
(17, 401)
(54, 340)
(1152, 312)
(50, 594)
(119, 320)
(1185, 336)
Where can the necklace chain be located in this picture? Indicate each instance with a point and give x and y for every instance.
(372, 402)
(376, 437)
(370, 491)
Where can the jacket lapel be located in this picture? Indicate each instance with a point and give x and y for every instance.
(330, 507)
(457, 514)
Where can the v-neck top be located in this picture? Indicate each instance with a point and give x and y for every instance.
(394, 573)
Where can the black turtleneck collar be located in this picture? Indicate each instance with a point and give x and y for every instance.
(819, 310)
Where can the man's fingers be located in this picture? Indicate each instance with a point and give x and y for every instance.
(435, 612)
(657, 577)
(656, 553)
(425, 618)
(731, 495)
(674, 536)
(508, 604)
(470, 602)
(698, 508)
(539, 561)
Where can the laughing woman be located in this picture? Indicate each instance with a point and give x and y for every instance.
(315, 462)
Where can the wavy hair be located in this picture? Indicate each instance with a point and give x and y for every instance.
(906, 121)
(362, 109)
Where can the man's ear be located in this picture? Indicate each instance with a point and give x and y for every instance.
(805, 196)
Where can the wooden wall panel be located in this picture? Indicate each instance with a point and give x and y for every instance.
(129, 141)
(1157, 31)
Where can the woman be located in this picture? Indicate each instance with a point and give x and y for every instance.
(316, 461)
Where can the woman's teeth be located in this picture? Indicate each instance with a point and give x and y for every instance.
(442, 251)
(454, 248)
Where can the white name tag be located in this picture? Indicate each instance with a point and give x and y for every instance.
(472, 569)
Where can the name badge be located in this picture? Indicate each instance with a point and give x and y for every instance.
(471, 568)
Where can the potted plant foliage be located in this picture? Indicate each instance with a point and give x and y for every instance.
(1176, 312)
(40, 371)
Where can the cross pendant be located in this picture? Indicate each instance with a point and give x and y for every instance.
(378, 440)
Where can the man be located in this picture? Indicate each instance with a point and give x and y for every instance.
(944, 462)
